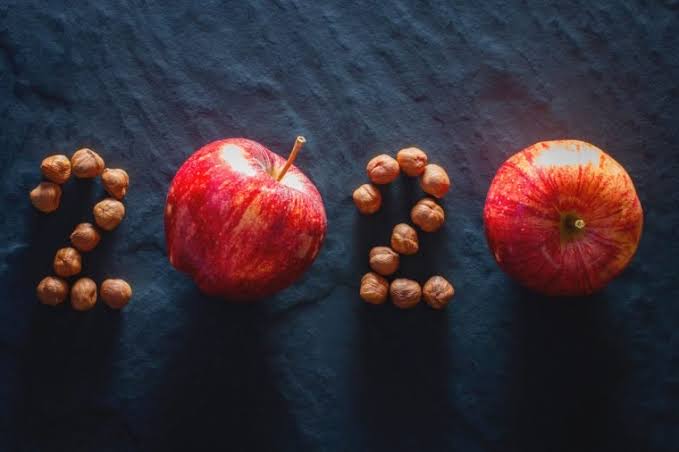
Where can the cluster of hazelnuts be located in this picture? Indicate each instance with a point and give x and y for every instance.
(108, 213)
(384, 169)
(427, 214)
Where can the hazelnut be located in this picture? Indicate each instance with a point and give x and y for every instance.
(85, 237)
(437, 291)
(405, 293)
(427, 215)
(86, 163)
(109, 213)
(56, 168)
(115, 182)
(412, 161)
(367, 198)
(52, 291)
(383, 260)
(374, 288)
(435, 180)
(46, 197)
(404, 239)
(83, 294)
(67, 262)
(382, 169)
(116, 293)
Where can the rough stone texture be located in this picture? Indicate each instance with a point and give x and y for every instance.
(146, 83)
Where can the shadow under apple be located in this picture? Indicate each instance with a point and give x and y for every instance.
(566, 369)
(218, 388)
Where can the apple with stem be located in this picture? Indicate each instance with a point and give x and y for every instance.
(243, 221)
(562, 217)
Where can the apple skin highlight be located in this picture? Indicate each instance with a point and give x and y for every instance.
(234, 228)
(562, 218)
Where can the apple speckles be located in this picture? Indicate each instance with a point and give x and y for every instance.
(233, 155)
(568, 155)
(303, 250)
(248, 221)
(548, 258)
(183, 222)
(292, 180)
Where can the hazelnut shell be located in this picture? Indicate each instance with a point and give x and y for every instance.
(383, 260)
(411, 161)
(85, 237)
(56, 168)
(374, 288)
(428, 215)
(52, 290)
(437, 292)
(46, 197)
(116, 293)
(83, 294)
(404, 239)
(108, 213)
(405, 293)
(435, 181)
(382, 169)
(116, 182)
(67, 262)
(85, 163)
(367, 198)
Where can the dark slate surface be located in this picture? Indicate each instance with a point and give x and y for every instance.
(147, 82)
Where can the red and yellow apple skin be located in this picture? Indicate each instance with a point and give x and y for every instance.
(562, 218)
(236, 230)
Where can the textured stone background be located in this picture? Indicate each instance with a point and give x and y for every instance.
(147, 82)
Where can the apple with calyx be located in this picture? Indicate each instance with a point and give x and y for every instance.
(562, 217)
(242, 221)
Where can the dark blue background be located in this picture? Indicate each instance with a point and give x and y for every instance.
(147, 82)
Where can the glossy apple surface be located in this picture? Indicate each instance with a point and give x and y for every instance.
(562, 217)
(234, 228)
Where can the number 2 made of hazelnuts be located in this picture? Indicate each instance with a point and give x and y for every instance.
(108, 214)
(427, 214)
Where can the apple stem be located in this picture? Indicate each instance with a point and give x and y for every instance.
(299, 142)
(579, 223)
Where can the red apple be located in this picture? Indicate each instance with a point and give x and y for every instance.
(242, 221)
(562, 217)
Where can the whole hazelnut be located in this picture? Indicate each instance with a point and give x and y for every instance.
(116, 293)
(374, 288)
(437, 291)
(84, 294)
(434, 180)
(382, 169)
(67, 262)
(56, 168)
(367, 198)
(46, 197)
(86, 163)
(405, 293)
(412, 161)
(404, 239)
(52, 291)
(383, 260)
(108, 213)
(85, 237)
(427, 214)
(115, 182)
